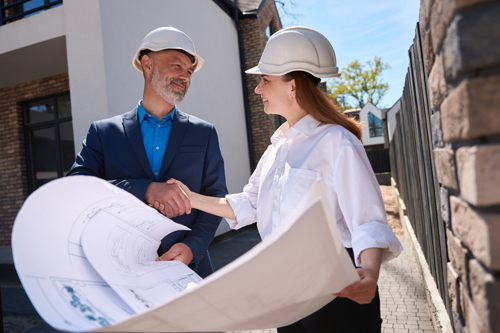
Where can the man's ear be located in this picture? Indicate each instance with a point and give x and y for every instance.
(147, 64)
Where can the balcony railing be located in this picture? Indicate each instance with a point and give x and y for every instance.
(13, 10)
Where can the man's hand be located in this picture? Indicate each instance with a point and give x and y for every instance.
(179, 251)
(172, 200)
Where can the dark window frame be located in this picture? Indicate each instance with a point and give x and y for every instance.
(54, 124)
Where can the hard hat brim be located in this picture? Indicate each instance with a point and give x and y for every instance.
(266, 69)
(198, 63)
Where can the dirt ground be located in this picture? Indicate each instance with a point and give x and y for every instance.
(391, 209)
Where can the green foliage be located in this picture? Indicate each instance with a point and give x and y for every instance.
(359, 84)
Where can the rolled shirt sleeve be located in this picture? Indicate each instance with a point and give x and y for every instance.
(361, 204)
(243, 210)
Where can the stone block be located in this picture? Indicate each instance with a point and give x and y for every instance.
(479, 174)
(428, 51)
(471, 316)
(445, 205)
(479, 231)
(468, 3)
(425, 15)
(444, 160)
(437, 132)
(441, 15)
(453, 289)
(471, 41)
(485, 294)
(457, 255)
(437, 84)
(471, 110)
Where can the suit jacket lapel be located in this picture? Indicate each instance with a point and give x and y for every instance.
(133, 132)
(179, 126)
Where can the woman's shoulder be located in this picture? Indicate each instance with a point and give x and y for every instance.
(337, 134)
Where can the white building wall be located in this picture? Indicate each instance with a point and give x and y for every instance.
(33, 48)
(86, 58)
(391, 119)
(28, 31)
(363, 117)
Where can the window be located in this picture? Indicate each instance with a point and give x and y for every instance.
(48, 133)
(269, 30)
(375, 125)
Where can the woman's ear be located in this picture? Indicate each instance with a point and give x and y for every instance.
(293, 88)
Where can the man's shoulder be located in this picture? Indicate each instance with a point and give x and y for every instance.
(118, 119)
(193, 120)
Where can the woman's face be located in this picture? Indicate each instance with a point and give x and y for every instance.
(277, 95)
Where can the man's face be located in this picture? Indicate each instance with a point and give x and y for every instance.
(171, 76)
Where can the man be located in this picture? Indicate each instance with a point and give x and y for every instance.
(141, 150)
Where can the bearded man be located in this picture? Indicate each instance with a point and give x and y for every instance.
(139, 151)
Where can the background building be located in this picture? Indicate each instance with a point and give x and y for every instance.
(66, 64)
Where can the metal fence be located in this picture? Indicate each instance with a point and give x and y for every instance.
(412, 167)
(379, 159)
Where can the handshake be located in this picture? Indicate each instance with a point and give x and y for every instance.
(172, 198)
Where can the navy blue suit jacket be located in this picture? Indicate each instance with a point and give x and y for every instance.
(114, 151)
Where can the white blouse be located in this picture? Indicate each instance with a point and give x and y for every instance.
(289, 167)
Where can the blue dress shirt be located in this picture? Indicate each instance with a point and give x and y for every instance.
(155, 135)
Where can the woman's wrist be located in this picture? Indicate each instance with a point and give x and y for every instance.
(195, 200)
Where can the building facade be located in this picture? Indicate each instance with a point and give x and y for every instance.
(68, 64)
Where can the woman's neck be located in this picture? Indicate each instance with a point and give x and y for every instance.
(294, 118)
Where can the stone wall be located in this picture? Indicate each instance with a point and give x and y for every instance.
(254, 41)
(462, 55)
(13, 178)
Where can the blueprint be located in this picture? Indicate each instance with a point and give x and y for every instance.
(85, 250)
(64, 287)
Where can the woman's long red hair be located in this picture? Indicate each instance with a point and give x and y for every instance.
(318, 104)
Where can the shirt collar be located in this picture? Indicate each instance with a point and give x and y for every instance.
(305, 126)
(142, 113)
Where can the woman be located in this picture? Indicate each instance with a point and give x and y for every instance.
(315, 141)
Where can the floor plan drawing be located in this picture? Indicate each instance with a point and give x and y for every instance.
(62, 284)
(85, 253)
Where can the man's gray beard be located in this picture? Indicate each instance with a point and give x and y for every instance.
(164, 89)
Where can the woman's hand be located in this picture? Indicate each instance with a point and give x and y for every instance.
(186, 192)
(213, 205)
(183, 187)
(364, 290)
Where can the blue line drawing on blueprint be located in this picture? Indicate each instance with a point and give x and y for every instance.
(72, 292)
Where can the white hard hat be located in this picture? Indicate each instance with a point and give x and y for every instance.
(168, 38)
(297, 49)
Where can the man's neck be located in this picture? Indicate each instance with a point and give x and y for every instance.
(156, 106)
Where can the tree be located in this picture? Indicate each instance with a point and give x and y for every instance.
(287, 12)
(359, 85)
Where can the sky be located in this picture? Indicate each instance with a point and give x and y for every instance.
(360, 30)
